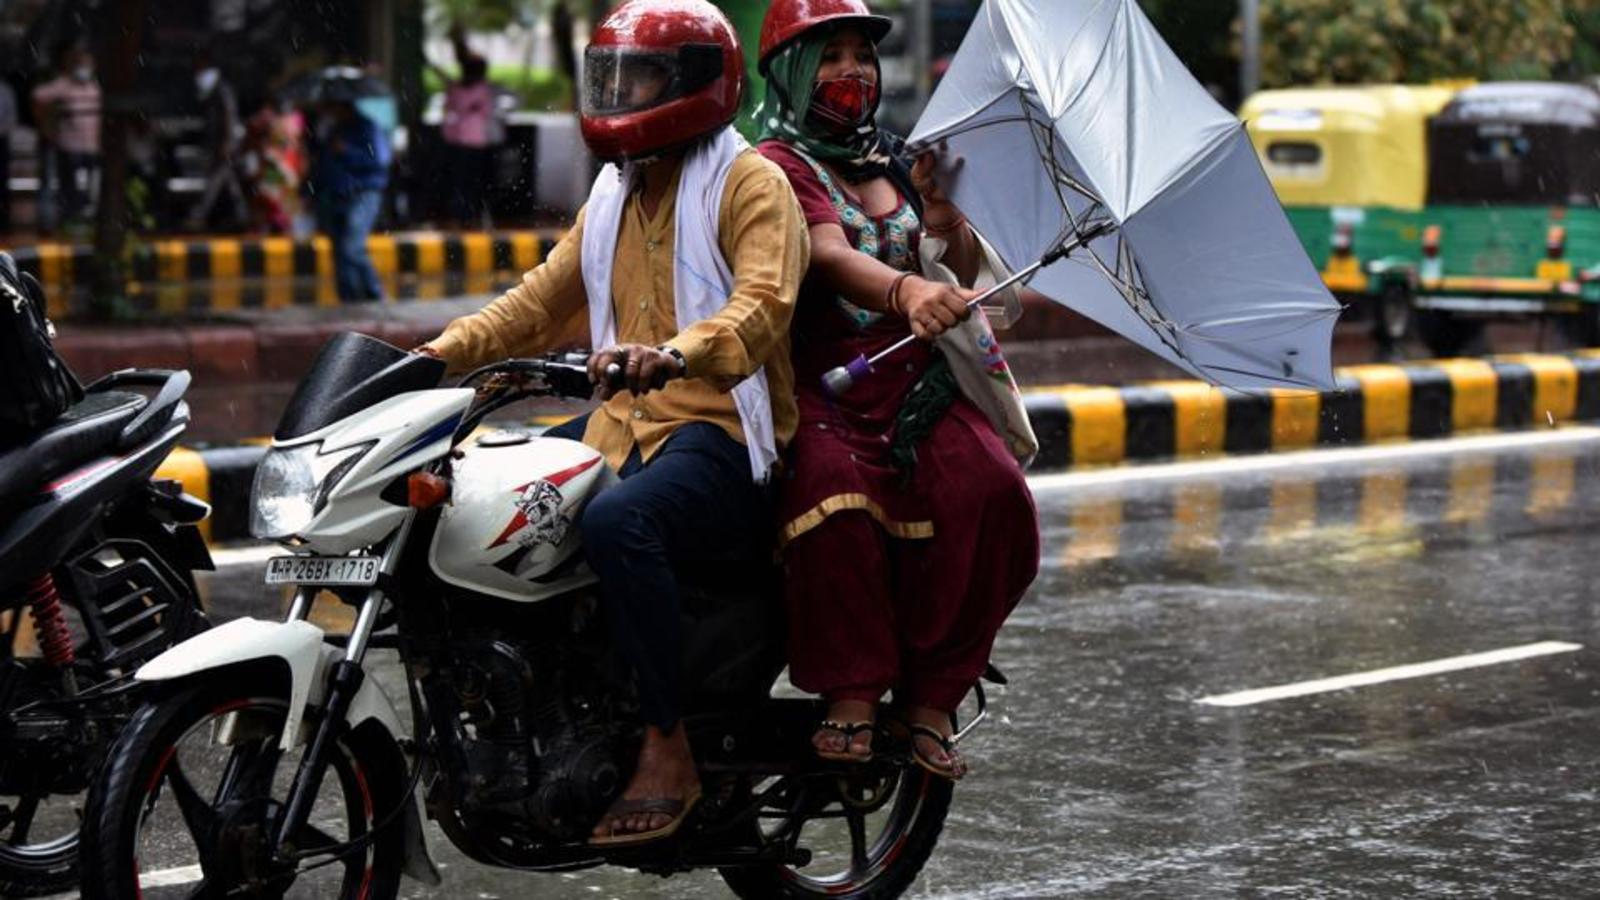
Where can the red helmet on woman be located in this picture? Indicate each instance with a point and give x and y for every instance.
(788, 19)
(659, 74)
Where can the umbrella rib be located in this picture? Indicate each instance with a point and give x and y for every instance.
(1262, 375)
(1044, 144)
(1302, 320)
(1046, 150)
(966, 123)
(1132, 293)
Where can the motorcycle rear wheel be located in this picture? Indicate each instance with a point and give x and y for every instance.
(911, 810)
(149, 760)
(39, 819)
(37, 869)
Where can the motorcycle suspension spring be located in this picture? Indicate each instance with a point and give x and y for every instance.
(50, 622)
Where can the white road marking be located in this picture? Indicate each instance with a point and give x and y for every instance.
(1395, 673)
(171, 877)
(159, 878)
(256, 554)
(1265, 462)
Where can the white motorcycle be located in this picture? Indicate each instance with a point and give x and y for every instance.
(459, 552)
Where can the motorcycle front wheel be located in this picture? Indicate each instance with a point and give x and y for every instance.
(188, 799)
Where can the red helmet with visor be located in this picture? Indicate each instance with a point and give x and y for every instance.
(659, 74)
(788, 19)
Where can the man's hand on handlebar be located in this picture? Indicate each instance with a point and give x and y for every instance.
(639, 369)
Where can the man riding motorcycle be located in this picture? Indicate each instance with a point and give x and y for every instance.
(687, 260)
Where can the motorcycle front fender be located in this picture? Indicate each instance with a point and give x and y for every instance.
(299, 645)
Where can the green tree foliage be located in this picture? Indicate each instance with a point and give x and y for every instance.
(483, 15)
(1352, 41)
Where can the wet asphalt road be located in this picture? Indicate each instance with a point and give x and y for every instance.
(1101, 776)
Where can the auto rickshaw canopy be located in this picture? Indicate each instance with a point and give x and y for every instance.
(1517, 144)
(1346, 146)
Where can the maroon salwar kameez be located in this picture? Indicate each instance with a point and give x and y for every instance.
(893, 579)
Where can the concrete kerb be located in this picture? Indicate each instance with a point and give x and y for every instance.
(229, 260)
(1083, 426)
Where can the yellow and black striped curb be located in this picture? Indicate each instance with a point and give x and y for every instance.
(1084, 426)
(271, 265)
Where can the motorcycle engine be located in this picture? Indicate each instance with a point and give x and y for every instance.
(540, 743)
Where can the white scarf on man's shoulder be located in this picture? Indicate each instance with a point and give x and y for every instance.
(702, 281)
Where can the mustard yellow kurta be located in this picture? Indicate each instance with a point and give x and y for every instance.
(762, 235)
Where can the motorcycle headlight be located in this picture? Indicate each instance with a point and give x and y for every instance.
(292, 486)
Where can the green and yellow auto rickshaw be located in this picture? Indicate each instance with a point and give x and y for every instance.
(1513, 222)
(1350, 165)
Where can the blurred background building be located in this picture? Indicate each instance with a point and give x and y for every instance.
(532, 49)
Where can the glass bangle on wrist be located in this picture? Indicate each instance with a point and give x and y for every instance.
(940, 231)
(891, 299)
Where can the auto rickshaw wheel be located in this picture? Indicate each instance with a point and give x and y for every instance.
(1393, 318)
(1446, 334)
(1583, 327)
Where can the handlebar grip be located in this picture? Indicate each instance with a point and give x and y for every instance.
(614, 377)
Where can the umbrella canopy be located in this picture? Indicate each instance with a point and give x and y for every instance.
(334, 84)
(1073, 114)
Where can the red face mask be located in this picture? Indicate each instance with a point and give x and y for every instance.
(842, 104)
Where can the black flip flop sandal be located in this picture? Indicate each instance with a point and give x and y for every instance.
(678, 809)
(955, 771)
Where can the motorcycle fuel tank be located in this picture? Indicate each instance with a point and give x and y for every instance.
(510, 528)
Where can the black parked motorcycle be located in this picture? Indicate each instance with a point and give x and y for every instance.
(95, 563)
(269, 759)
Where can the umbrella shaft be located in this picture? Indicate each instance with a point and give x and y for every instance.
(1066, 248)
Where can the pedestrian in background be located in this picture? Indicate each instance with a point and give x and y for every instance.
(274, 163)
(471, 132)
(219, 109)
(349, 172)
(67, 109)
(8, 127)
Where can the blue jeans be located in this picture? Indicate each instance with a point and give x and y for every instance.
(693, 505)
(348, 221)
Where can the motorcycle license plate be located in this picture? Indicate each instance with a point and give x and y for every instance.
(353, 570)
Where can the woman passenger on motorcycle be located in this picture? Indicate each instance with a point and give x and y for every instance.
(908, 530)
(684, 264)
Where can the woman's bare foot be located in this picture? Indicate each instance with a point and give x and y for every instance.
(664, 788)
(846, 734)
(930, 743)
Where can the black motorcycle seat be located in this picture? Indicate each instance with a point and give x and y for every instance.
(86, 430)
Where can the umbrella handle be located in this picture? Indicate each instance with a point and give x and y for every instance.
(839, 380)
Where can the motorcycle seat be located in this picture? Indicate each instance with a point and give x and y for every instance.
(86, 430)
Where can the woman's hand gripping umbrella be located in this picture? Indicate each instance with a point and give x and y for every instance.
(839, 380)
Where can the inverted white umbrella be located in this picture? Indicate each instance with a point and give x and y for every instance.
(1079, 130)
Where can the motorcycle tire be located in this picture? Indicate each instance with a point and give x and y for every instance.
(895, 860)
(40, 871)
(370, 782)
(41, 865)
